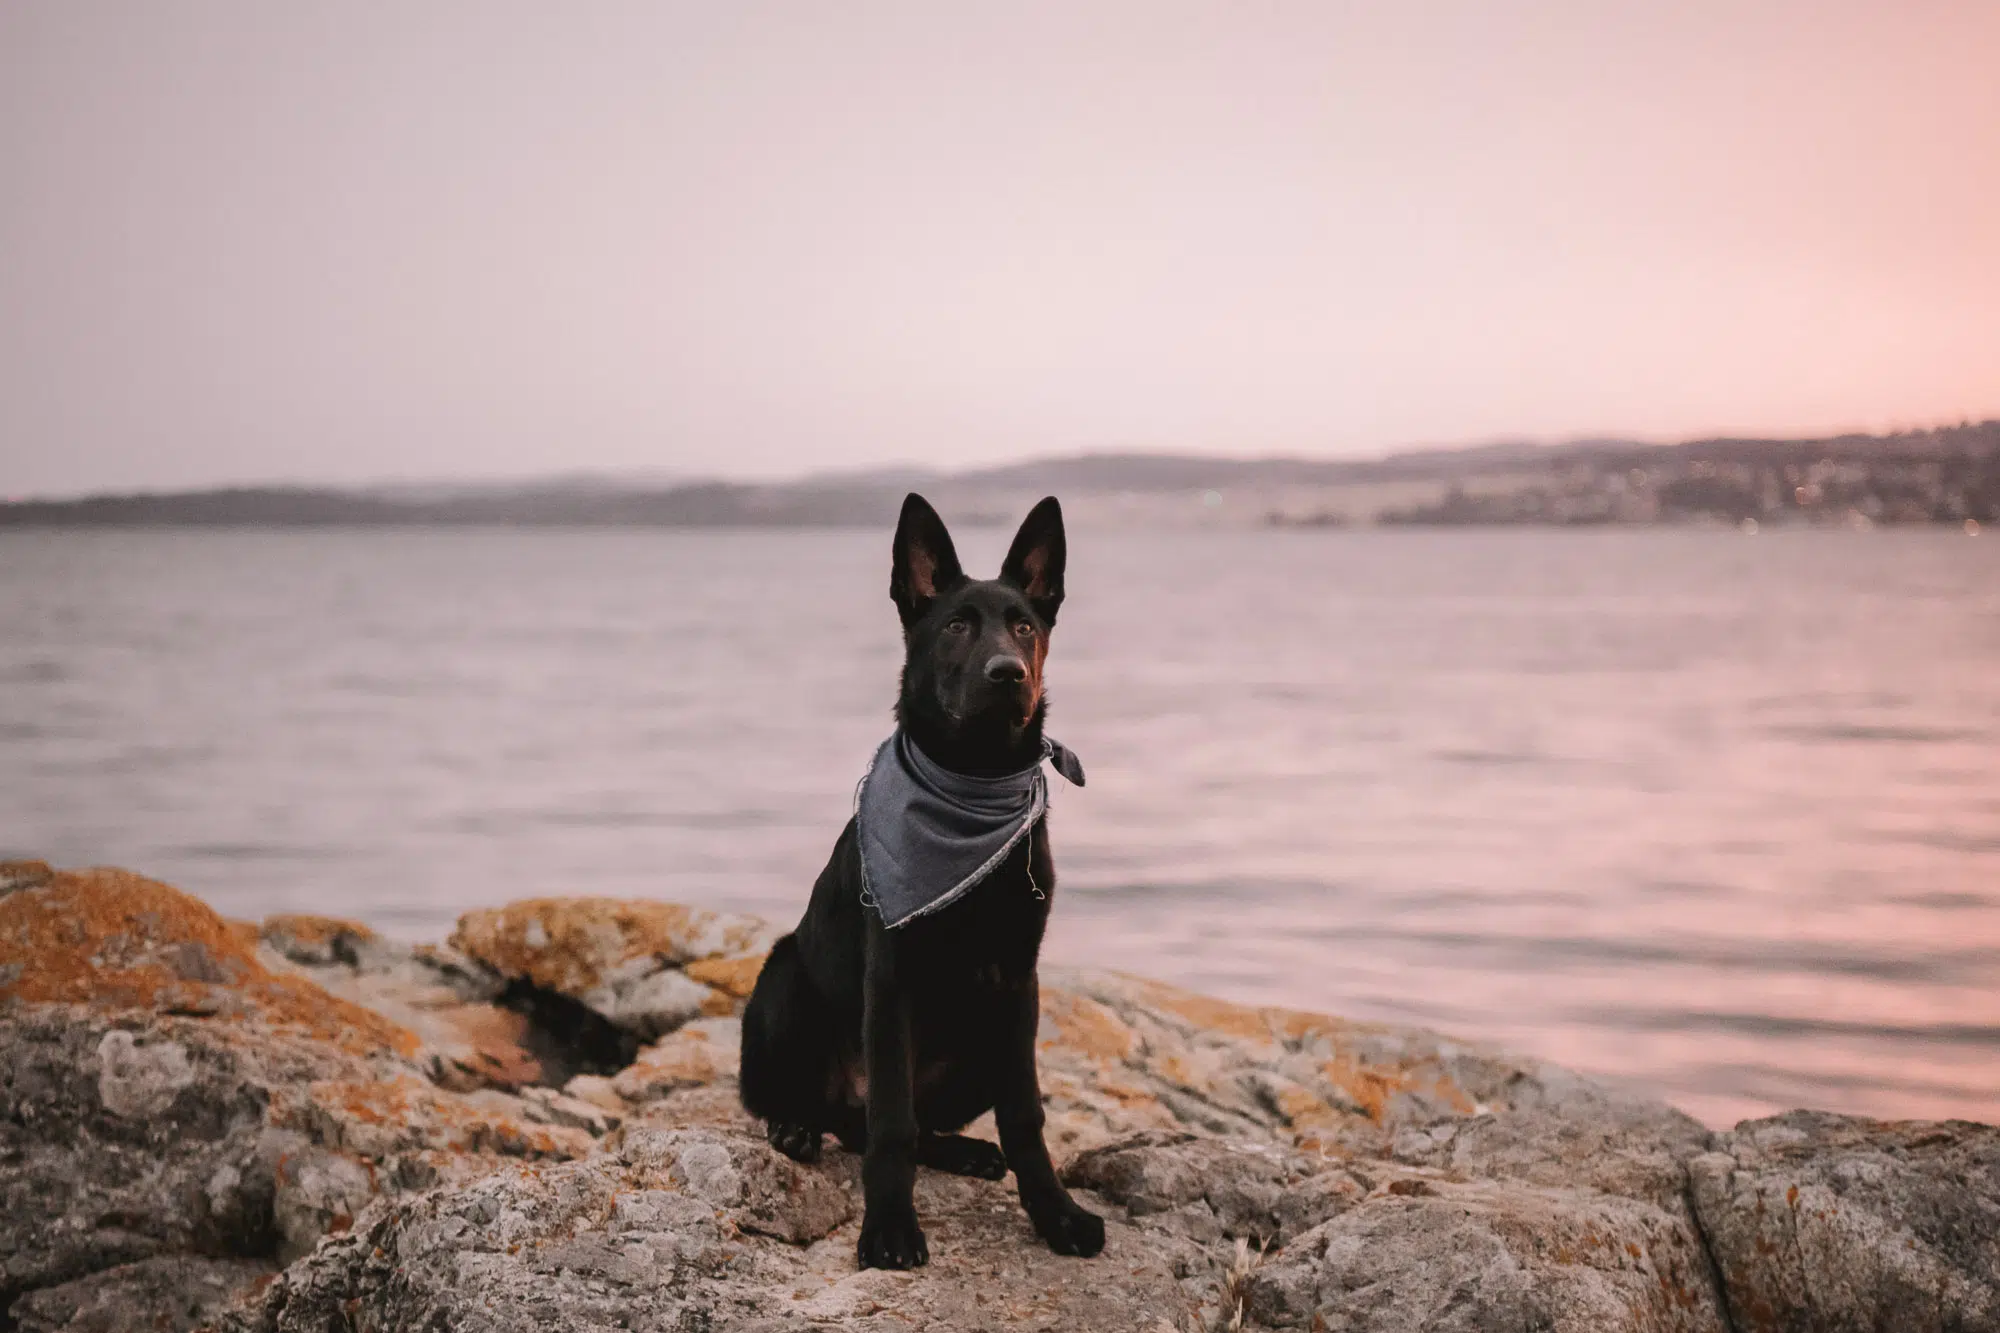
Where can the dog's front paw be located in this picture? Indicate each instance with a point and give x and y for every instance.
(961, 1156)
(894, 1241)
(1070, 1229)
(794, 1141)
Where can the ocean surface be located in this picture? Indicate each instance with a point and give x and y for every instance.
(1718, 814)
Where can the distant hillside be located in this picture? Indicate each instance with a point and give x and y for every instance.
(699, 504)
(1945, 475)
(1171, 472)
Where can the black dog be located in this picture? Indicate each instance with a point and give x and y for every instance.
(894, 1038)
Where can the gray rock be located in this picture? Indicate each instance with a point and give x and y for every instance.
(1127, 1054)
(448, 1001)
(647, 998)
(1597, 1138)
(1211, 1189)
(701, 1229)
(136, 1082)
(1826, 1222)
(758, 1190)
(118, 1148)
(549, 1107)
(1442, 1256)
(185, 1103)
(183, 1137)
(316, 1192)
(624, 1238)
(700, 1053)
(622, 959)
(180, 1294)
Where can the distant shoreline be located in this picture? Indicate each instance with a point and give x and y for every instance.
(1947, 477)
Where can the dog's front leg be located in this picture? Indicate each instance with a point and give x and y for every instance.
(890, 1236)
(1067, 1226)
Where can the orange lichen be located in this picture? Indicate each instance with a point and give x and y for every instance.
(21, 874)
(1301, 1109)
(114, 940)
(1083, 1024)
(732, 976)
(1373, 1087)
(569, 944)
(1178, 1072)
(686, 1058)
(406, 1112)
(488, 1046)
(1126, 1094)
(1205, 1011)
(295, 930)
(1366, 1088)
(1370, 1084)
(1297, 1026)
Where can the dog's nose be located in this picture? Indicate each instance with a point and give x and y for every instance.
(1006, 669)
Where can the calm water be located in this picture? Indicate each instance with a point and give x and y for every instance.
(1717, 813)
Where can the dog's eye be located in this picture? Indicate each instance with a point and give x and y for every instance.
(956, 625)
(1024, 629)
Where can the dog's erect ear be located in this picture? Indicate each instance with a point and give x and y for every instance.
(1035, 560)
(925, 564)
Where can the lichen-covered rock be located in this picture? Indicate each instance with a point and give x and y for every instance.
(1442, 1256)
(1826, 1222)
(735, 977)
(703, 1052)
(699, 1229)
(22, 874)
(1617, 1144)
(121, 1146)
(1215, 1189)
(136, 1082)
(187, 1102)
(181, 1294)
(315, 1192)
(630, 1237)
(321, 941)
(166, 1090)
(446, 1001)
(382, 1117)
(645, 967)
(648, 998)
(756, 1190)
(119, 942)
(569, 944)
(1122, 1055)
(598, 1091)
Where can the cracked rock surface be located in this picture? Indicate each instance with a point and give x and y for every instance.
(296, 1126)
(1824, 1221)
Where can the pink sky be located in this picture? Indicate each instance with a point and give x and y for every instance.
(336, 243)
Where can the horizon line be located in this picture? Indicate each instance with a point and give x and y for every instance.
(672, 480)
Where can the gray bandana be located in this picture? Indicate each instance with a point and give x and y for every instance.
(928, 835)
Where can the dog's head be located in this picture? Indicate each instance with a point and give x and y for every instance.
(974, 648)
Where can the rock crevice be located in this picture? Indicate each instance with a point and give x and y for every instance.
(1724, 1311)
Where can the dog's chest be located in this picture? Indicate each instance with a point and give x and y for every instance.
(987, 940)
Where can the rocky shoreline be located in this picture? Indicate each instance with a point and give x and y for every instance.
(297, 1125)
